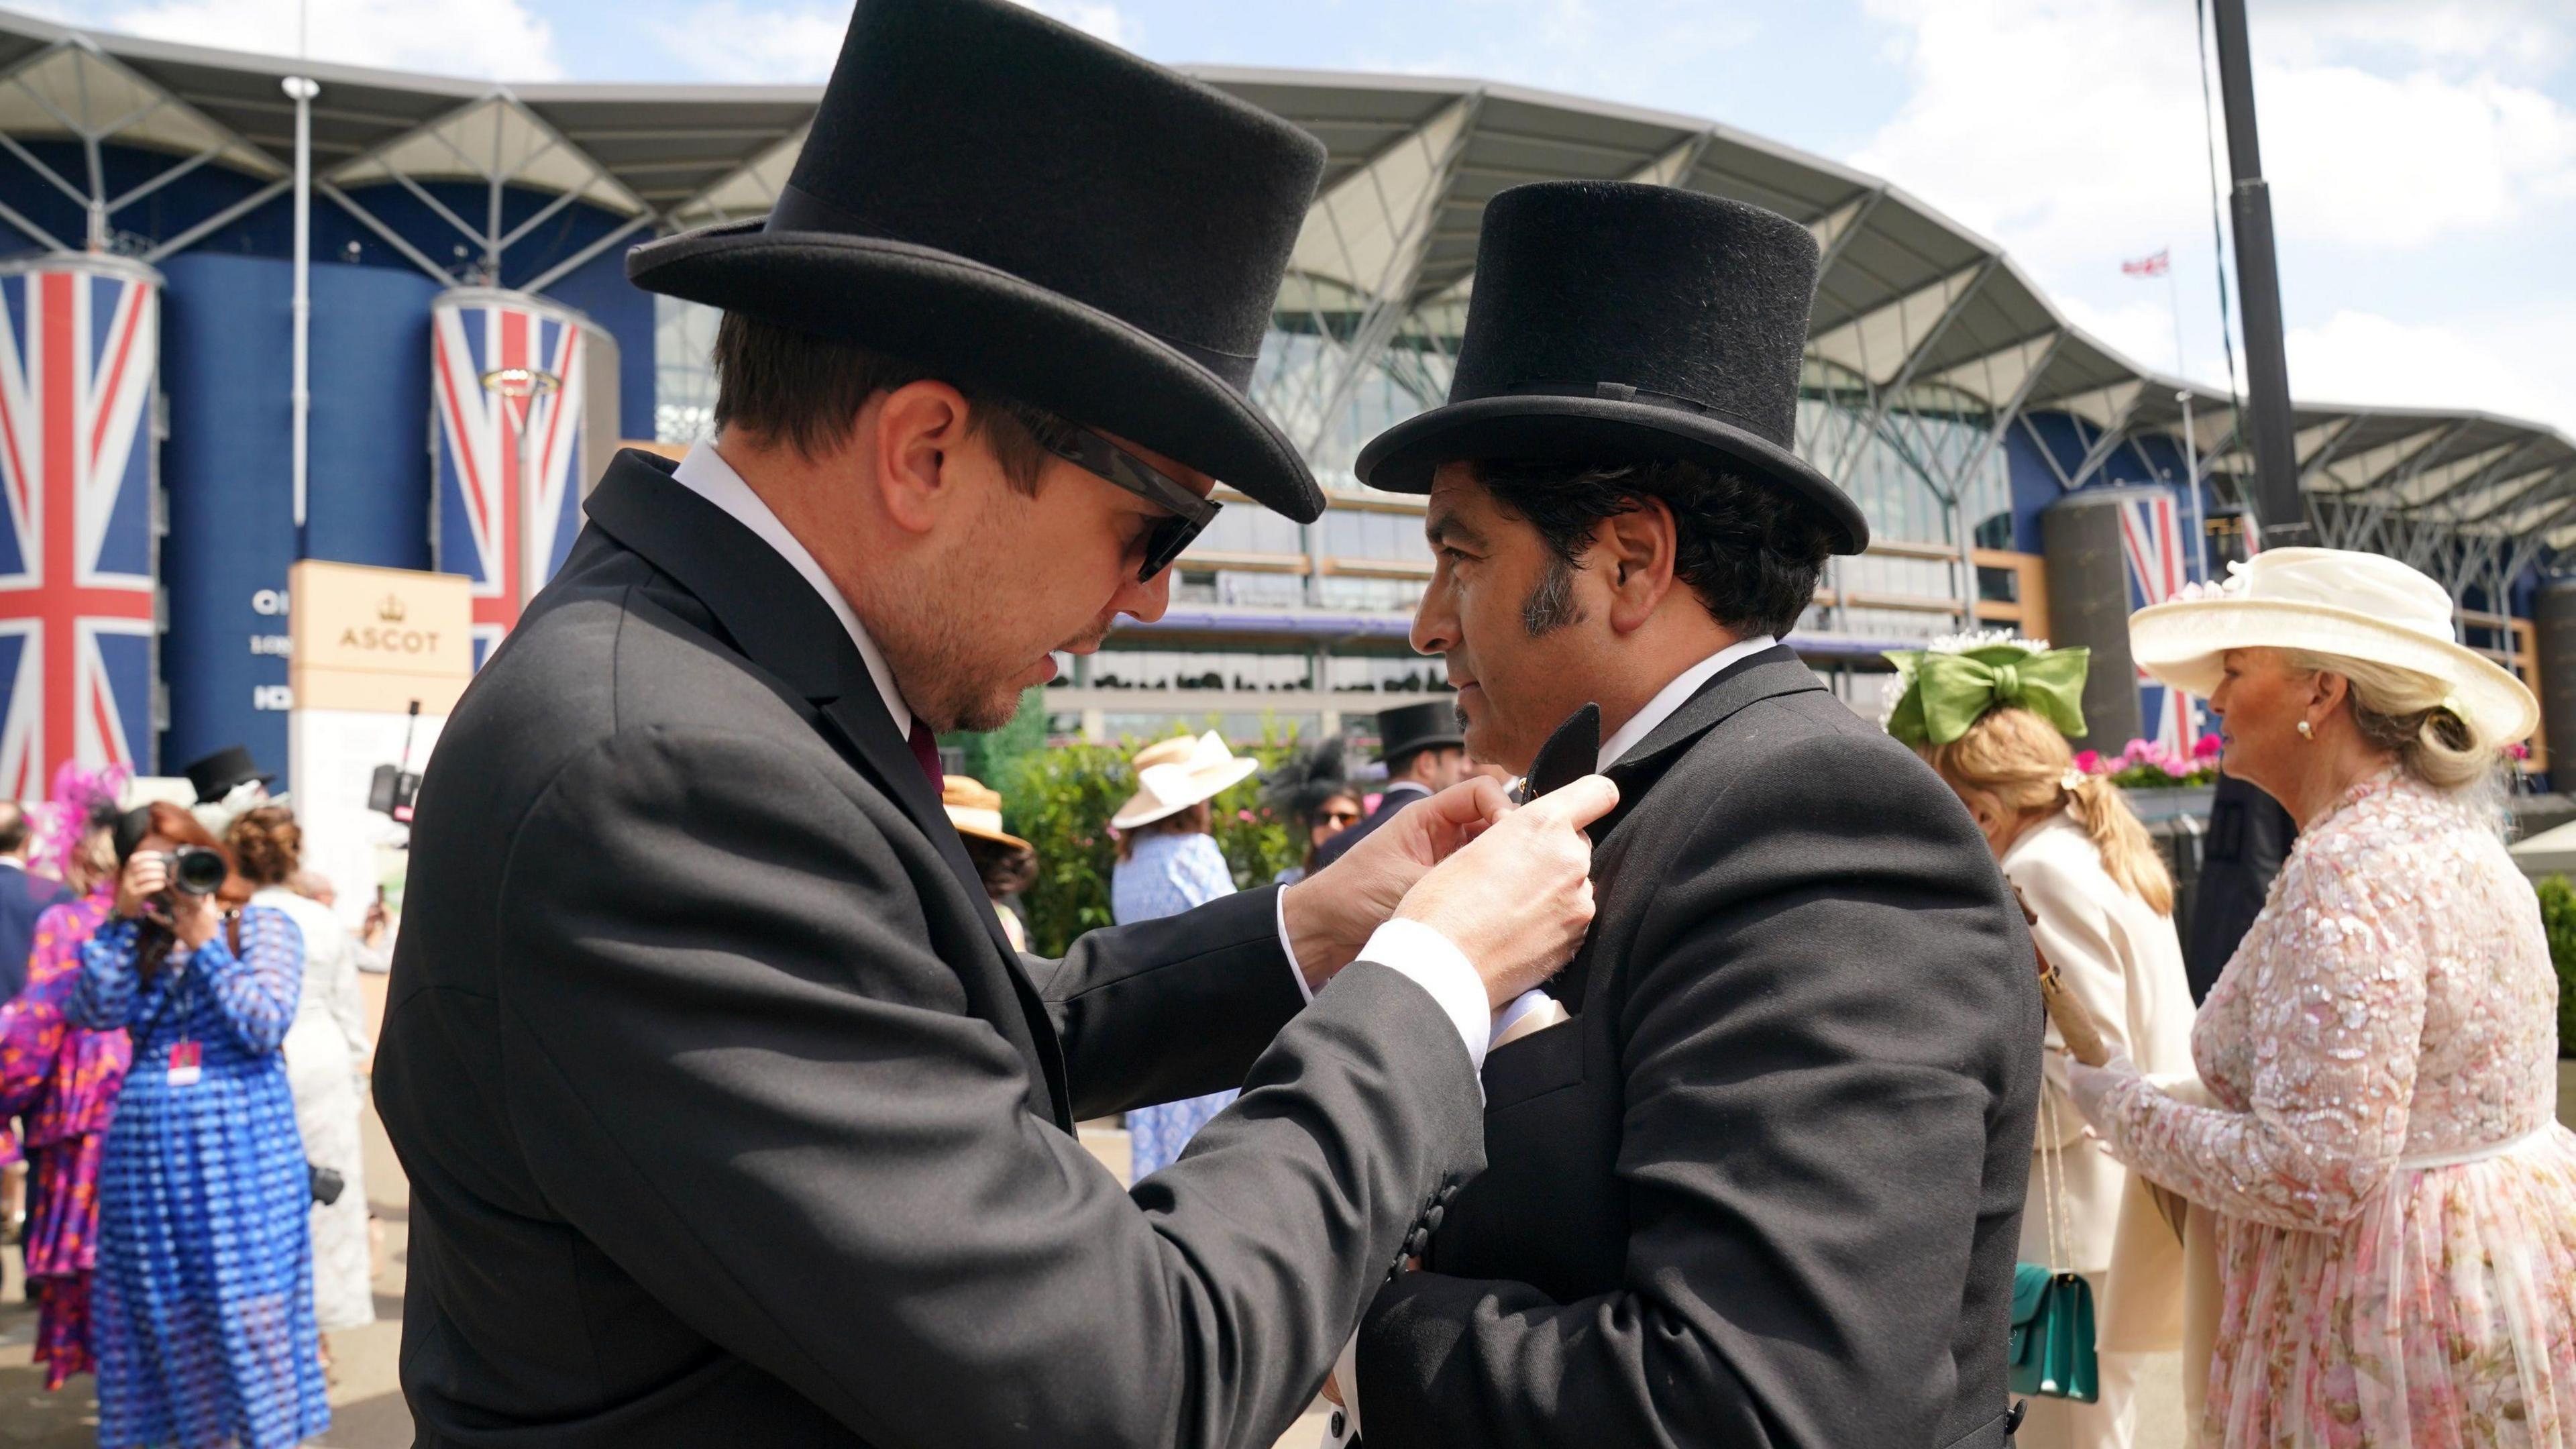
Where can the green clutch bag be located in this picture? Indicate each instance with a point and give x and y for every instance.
(2052, 1335)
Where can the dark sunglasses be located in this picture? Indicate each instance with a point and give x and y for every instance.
(1342, 817)
(1191, 514)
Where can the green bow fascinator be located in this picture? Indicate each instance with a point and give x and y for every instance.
(1946, 690)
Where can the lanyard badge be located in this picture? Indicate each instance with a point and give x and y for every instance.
(187, 1063)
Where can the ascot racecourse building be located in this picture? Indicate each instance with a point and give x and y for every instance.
(473, 353)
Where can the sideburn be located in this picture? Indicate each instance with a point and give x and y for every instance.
(1551, 605)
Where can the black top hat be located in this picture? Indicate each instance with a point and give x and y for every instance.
(1021, 208)
(1415, 728)
(215, 776)
(1613, 320)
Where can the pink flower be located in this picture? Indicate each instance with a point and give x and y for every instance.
(2089, 761)
(2139, 750)
(2517, 751)
(2210, 746)
(1243, 815)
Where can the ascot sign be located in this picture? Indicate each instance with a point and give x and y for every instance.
(376, 639)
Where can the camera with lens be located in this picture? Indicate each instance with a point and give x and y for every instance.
(196, 870)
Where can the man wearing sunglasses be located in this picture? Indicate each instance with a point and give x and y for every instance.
(730, 1117)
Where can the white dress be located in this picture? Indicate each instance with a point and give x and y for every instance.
(323, 1051)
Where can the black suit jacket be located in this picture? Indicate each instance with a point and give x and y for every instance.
(730, 1119)
(23, 898)
(1765, 1188)
(1392, 800)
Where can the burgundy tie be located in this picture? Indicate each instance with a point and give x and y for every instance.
(925, 748)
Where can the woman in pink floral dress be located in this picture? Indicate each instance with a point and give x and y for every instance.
(2396, 1203)
(63, 1081)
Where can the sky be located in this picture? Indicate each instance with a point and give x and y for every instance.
(2421, 153)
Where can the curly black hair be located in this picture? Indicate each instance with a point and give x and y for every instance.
(1750, 553)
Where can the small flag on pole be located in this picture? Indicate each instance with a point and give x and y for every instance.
(2154, 266)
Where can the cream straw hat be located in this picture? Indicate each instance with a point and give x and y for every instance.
(975, 808)
(2331, 601)
(1178, 773)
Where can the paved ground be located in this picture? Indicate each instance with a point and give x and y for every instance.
(366, 1403)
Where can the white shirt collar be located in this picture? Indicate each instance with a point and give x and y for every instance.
(1674, 695)
(705, 473)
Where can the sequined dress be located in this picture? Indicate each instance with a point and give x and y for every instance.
(61, 1081)
(203, 1303)
(2396, 1202)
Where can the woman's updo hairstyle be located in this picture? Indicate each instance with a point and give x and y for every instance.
(2403, 713)
(267, 845)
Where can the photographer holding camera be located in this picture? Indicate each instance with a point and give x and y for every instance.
(202, 1311)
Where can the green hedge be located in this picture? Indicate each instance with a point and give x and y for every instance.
(1061, 799)
(2558, 918)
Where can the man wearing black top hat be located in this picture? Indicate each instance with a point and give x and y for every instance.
(1424, 751)
(1760, 1182)
(226, 770)
(730, 1116)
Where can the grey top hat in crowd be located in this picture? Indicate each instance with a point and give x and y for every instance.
(1020, 208)
(1615, 321)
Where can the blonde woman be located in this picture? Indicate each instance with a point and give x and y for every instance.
(2396, 1208)
(1992, 718)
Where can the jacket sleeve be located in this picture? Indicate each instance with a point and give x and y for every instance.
(2075, 933)
(2342, 1023)
(734, 1062)
(1815, 1002)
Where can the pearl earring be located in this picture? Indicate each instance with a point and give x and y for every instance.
(2307, 731)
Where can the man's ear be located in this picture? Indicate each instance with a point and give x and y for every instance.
(1633, 554)
(920, 427)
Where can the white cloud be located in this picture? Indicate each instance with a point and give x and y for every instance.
(725, 41)
(766, 44)
(2511, 366)
(2071, 129)
(491, 39)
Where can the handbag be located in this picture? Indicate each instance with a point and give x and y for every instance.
(2052, 1309)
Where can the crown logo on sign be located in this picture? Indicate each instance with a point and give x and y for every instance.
(390, 609)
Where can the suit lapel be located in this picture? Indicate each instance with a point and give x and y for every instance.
(774, 616)
(1768, 675)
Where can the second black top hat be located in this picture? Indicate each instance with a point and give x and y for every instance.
(1615, 321)
(1016, 206)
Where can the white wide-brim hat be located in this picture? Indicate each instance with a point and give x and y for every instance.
(2331, 601)
(1178, 773)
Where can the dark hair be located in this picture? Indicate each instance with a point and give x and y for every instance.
(1006, 870)
(153, 939)
(1750, 553)
(13, 828)
(793, 387)
(267, 845)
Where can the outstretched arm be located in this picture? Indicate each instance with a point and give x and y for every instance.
(734, 1065)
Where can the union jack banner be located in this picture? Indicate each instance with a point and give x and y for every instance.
(79, 349)
(2151, 540)
(2154, 266)
(507, 374)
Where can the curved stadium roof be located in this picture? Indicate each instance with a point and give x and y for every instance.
(1914, 314)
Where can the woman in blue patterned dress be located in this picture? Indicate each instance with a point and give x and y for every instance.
(1167, 864)
(202, 1310)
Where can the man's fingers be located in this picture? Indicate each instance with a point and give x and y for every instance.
(1577, 804)
(1473, 801)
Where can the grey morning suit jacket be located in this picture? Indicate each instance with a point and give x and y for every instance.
(730, 1118)
(1765, 1189)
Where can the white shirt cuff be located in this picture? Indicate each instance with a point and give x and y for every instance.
(1346, 1373)
(1433, 962)
(1288, 948)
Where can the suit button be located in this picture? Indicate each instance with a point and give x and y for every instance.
(1447, 1193)
(1337, 1424)
(1415, 1242)
(1431, 1219)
